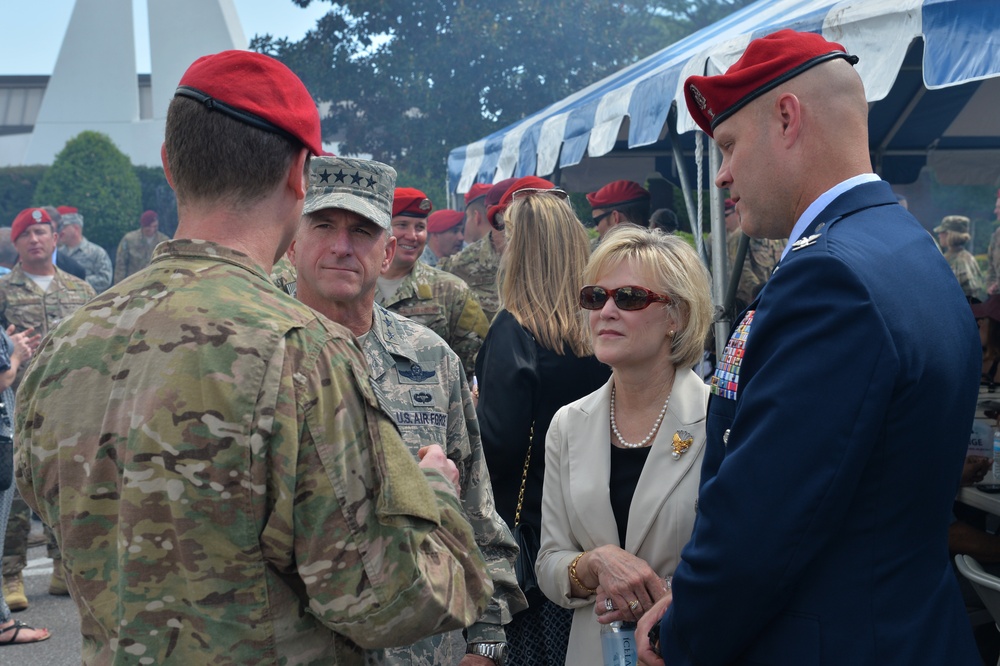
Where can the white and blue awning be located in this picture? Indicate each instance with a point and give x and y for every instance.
(929, 66)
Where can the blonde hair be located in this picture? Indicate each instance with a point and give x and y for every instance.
(672, 268)
(539, 275)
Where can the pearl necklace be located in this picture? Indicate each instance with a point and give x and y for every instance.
(656, 425)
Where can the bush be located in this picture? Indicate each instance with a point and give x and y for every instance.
(157, 195)
(17, 185)
(93, 175)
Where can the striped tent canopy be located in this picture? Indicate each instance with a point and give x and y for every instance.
(930, 69)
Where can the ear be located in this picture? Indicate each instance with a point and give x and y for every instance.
(789, 110)
(291, 252)
(166, 165)
(390, 252)
(298, 174)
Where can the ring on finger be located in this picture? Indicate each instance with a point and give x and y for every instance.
(632, 605)
(609, 605)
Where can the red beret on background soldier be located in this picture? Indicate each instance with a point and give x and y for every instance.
(476, 224)
(617, 202)
(445, 234)
(135, 250)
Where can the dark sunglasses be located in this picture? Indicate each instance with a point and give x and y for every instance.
(593, 297)
(594, 221)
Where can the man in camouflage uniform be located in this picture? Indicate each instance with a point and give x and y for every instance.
(477, 266)
(34, 295)
(234, 494)
(72, 243)
(135, 249)
(953, 237)
(343, 244)
(993, 255)
(438, 300)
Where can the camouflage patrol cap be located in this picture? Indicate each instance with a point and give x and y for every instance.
(959, 223)
(364, 187)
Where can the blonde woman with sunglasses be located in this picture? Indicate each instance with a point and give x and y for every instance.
(536, 358)
(622, 465)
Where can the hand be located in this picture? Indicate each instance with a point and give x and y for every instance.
(646, 622)
(25, 343)
(433, 457)
(625, 579)
(476, 660)
(975, 469)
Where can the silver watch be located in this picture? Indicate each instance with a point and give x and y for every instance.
(495, 651)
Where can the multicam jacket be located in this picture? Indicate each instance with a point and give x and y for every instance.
(966, 270)
(419, 380)
(478, 264)
(233, 494)
(445, 304)
(134, 253)
(24, 304)
(95, 262)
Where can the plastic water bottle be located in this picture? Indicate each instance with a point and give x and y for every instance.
(618, 644)
(996, 456)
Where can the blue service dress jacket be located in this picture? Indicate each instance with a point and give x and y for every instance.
(836, 435)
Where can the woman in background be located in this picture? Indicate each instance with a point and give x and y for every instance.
(535, 359)
(623, 464)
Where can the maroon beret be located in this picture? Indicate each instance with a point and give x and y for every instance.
(767, 63)
(67, 209)
(443, 220)
(476, 191)
(257, 90)
(525, 183)
(618, 193)
(411, 202)
(493, 198)
(148, 218)
(26, 218)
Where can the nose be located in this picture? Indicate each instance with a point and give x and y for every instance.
(610, 310)
(340, 244)
(724, 178)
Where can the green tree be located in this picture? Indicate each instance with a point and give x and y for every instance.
(406, 81)
(93, 175)
(17, 185)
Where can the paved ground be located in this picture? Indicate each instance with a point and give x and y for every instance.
(57, 614)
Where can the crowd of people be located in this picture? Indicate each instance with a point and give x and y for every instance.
(329, 423)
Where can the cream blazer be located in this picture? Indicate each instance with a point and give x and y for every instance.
(576, 504)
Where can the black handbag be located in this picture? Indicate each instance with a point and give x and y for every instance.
(526, 536)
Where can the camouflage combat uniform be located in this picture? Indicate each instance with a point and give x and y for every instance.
(23, 304)
(419, 381)
(134, 253)
(763, 254)
(95, 261)
(966, 269)
(478, 264)
(993, 263)
(443, 303)
(428, 257)
(235, 495)
(284, 275)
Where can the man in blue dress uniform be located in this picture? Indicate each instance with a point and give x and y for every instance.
(842, 406)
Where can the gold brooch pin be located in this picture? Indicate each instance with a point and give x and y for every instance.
(682, 442)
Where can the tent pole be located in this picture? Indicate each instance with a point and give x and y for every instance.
(682, 175)
(720, 260)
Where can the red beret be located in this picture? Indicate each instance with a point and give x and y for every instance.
(148, 218)
(26, 218)
(493, 198)
(618, 193)
(67, 209)
(476, 191)
(257, 90)
(525, 183)
(411, 202)
(767, 63)
(443, 220)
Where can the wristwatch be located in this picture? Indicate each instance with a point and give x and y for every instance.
(495, 651)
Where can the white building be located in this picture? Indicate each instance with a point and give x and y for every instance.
(95, 85)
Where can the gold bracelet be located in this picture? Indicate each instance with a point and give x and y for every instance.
(572, 574)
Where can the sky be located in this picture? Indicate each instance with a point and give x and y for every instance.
(24, 20)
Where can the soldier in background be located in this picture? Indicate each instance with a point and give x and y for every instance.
(438, 300)
(478, 263)
(993, 255)
(953, 237)
(34, 295)
(763, 254)
(618, 202)
(343, 244)
(445, 235)
(73, 244)
(135, 249)
(233, 492)
(476, 224)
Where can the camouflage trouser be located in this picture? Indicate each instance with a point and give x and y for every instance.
(15, 545)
